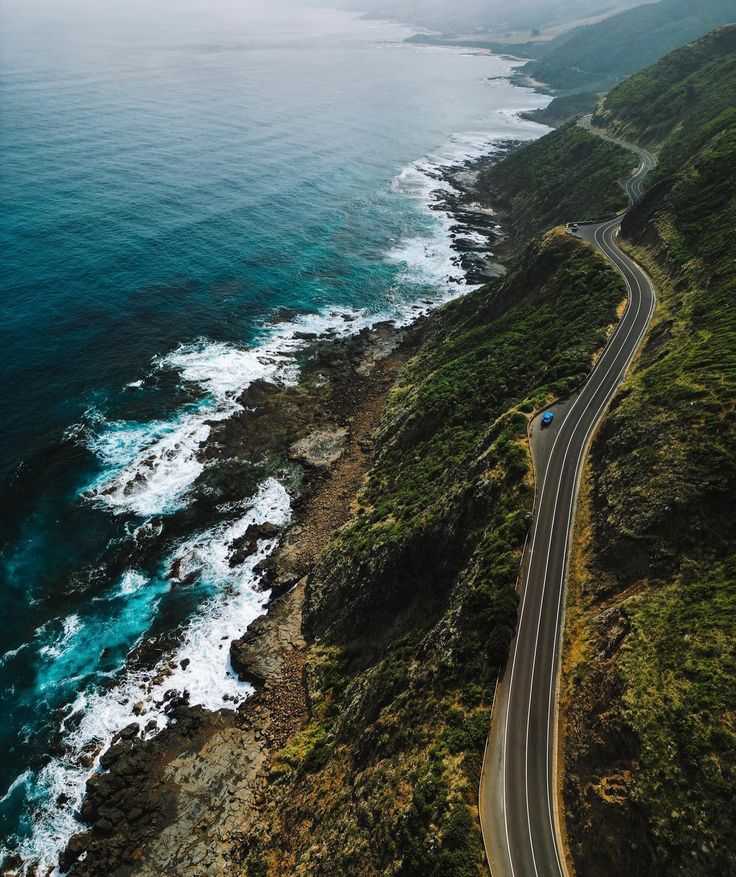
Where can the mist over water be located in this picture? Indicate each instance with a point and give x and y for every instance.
(186, 188)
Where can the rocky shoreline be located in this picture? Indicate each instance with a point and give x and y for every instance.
(477, 234)
(181, 802)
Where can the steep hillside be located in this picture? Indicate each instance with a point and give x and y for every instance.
(677, 105)
(599, 55)
(412, 608)
(561, 109)
(650, 668)
(569, 174)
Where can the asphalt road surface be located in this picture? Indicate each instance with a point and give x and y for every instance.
(518, 790)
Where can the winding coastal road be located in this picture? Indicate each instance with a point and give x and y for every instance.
(518, 791)
(647, 162)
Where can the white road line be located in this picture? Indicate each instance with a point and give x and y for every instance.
(522, 618)
(621, 262)
(574, 429)
(583, 448)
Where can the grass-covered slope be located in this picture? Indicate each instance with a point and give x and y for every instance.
(651, 665)
(599, 55)
(678, 104)
(568, 174)
(561, 109)
(413, 606)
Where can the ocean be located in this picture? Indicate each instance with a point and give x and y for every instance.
(187, 187)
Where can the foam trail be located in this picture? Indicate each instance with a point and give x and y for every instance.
(70, 627)
(19, 781)
(131, 582)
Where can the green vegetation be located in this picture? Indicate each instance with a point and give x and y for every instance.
(599, 55)
(679, 669)
(679, 104)
(660, 578)
(413, 606)
(567, 175)
(686, 381)
(563, 109)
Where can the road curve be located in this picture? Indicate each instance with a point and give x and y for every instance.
(518, 789)
(647, 162)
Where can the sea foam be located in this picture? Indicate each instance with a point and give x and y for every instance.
(96, 715)
(431, 259)
(148, 468)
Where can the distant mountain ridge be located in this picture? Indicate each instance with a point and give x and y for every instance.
(471, 16)
(599, 55)
(589, 58)
(676, 105)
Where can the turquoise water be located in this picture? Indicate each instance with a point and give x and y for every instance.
(184, 186)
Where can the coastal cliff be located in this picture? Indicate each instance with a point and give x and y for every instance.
(411, 609)
(408, 611)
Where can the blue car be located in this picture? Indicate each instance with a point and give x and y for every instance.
(547, 418)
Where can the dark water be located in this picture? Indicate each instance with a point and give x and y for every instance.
(184, 185)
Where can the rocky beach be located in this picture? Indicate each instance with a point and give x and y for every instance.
(181, 800)
(290, 588)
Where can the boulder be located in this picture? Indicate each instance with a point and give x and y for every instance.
(74, 849)
(245, 545)
(320, 449)
(246, 661)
